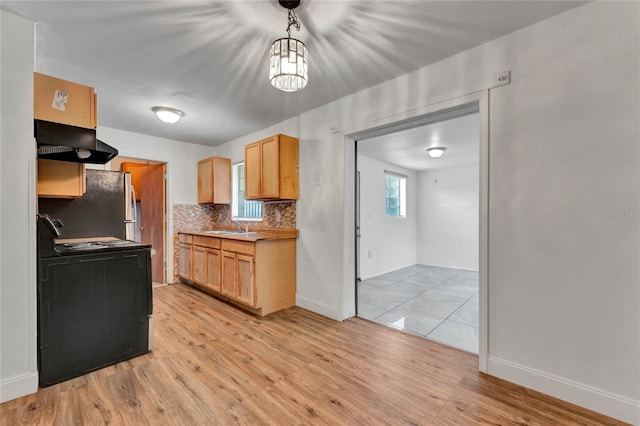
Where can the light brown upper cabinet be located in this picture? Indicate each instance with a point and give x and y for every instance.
(271, 169)
(61, 101)
(214, 181)
(61, 179)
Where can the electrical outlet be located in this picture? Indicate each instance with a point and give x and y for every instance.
(278, 215)
(369, 254)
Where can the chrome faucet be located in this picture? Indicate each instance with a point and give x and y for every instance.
(235, 222)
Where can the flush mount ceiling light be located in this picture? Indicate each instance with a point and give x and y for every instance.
(168, 115)
(288, 56)
(436, 151)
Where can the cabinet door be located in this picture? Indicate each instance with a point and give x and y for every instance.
(245, 280)
(221, 180)
(205, 181)
(184, 256)
(270, 168)
(214, 181)
(199, 264)
(214, 269)
(229, 274)
(79, 110)
(252, 171)
(61, 179)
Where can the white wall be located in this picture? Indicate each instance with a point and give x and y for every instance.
(182, 168)
(387, 243)
(448, 212)
(18, 352)
(564, 299)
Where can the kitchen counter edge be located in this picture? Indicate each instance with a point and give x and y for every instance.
(276, 234)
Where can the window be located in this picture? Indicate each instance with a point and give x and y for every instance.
(240, 208)
(395, 194)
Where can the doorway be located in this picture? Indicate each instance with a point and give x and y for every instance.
(148, 179)
(410, 275)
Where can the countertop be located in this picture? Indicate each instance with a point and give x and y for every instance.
(252, 236)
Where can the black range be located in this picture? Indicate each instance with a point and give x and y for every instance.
(95, 302)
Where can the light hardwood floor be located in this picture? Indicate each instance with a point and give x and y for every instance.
(214, 364)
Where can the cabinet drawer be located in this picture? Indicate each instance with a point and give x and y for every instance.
(185, 238)
(209, 242)
(239, 246)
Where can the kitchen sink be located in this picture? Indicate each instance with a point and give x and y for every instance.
(234, 233)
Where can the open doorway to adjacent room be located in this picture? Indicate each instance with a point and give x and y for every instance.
(418, 227)
(148, 179)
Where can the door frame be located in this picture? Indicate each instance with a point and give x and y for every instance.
(410, 119)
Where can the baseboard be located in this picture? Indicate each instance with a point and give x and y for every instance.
(17, 387)
(318, 307)
(607, 403)
(462, 267)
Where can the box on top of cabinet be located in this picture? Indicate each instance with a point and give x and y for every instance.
(64, 102)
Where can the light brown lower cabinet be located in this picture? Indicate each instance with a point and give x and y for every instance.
(184, 263)
(245, 280)
(199, 259)
(229, 274)
(214, 269)
(261, 275)
(206, 267)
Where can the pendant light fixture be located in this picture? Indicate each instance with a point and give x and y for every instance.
(288, 56)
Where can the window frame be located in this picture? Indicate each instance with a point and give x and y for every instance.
(402, 194)
(235, 205)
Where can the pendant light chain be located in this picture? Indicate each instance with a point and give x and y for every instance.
(288, 57)
(292, 22)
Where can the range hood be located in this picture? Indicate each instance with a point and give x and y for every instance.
(63, 142)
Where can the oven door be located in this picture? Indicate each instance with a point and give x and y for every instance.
(94, 310)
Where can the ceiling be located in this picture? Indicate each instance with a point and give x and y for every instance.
(209, 58)
(406, 149)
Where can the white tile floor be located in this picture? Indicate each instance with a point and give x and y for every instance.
(438, 303)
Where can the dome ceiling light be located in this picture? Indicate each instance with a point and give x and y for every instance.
(168, 115)
(436, 151)
(288, 56)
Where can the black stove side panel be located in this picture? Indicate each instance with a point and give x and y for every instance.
(100, 212)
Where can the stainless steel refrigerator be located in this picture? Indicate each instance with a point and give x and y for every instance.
(107, 209)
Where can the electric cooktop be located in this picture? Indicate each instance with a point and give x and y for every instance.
(106, 244)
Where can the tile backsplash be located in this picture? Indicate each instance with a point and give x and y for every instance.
(278, 215)
(196, 217)
(192, 217)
